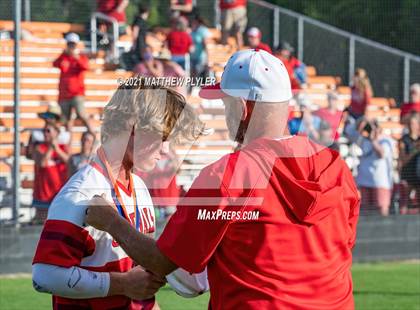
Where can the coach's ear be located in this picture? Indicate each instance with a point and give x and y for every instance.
(244, 109)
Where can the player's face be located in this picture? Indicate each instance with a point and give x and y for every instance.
(148, 150)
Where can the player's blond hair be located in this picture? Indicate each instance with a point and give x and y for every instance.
(150, 108)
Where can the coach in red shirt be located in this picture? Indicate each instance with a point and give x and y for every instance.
(274, 222)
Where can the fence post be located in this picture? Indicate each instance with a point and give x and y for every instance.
(217, 15)
(300, 38)
(27, 10)
(276, 27)
(406, 80)
(16, 99)
(351, 57)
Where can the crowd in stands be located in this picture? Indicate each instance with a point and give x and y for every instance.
(184, 52)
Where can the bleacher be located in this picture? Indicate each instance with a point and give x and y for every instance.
(39, 87)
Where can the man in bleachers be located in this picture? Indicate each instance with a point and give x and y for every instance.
(254, 40)
(295, 68)
(233, 20)
(72, 65)
(50, 170)
(331, 114)
(413, 105)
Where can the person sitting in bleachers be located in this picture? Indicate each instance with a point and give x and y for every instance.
(307, 123)
(331, 114)
(409, 161)
(172, 70)
(375, 171)
(149, 66)
(199, 57)
(179, 43)
(295, 68)
(79, 160)
(254, 40)
(50, 159)
(361, 94)
(72, 65)
(51, 116)
(413, 105)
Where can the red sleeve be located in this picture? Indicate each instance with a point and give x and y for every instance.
(83, 63)
(62, 63)
(63, 244)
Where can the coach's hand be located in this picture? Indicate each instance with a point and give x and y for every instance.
(136, 284)
(100, 213)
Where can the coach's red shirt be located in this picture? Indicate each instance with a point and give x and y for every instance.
(230, 4)
(72, 77)
(297, 254)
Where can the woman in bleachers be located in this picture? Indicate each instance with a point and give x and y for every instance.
(361, 94)
(149, 66)
(50, 170)
(409, 160)
(375, 171)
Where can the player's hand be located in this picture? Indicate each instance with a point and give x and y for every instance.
(142, 284)
(100, 213)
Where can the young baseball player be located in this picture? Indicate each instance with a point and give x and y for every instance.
(82, 267)
(274, 222)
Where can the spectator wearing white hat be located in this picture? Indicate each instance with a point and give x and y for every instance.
(71, 88)
(254, 36)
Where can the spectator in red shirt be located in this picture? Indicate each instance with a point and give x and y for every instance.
(361, 93)
(413, 105)
(179, 43)
(254, 40)
(233, 20)
(288, 207)
(50, 170)
(72, 65)
(331, 115)
(284, 53)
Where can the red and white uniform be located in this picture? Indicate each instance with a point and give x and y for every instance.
(65, 240)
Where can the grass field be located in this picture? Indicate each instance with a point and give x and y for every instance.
(384, 286)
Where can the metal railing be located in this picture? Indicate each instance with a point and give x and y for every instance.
(94, 32)
(334, 51)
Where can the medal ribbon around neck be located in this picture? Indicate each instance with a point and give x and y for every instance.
(116, 195)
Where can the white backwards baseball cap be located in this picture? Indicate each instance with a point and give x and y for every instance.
(72, 37)
(253, 75)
